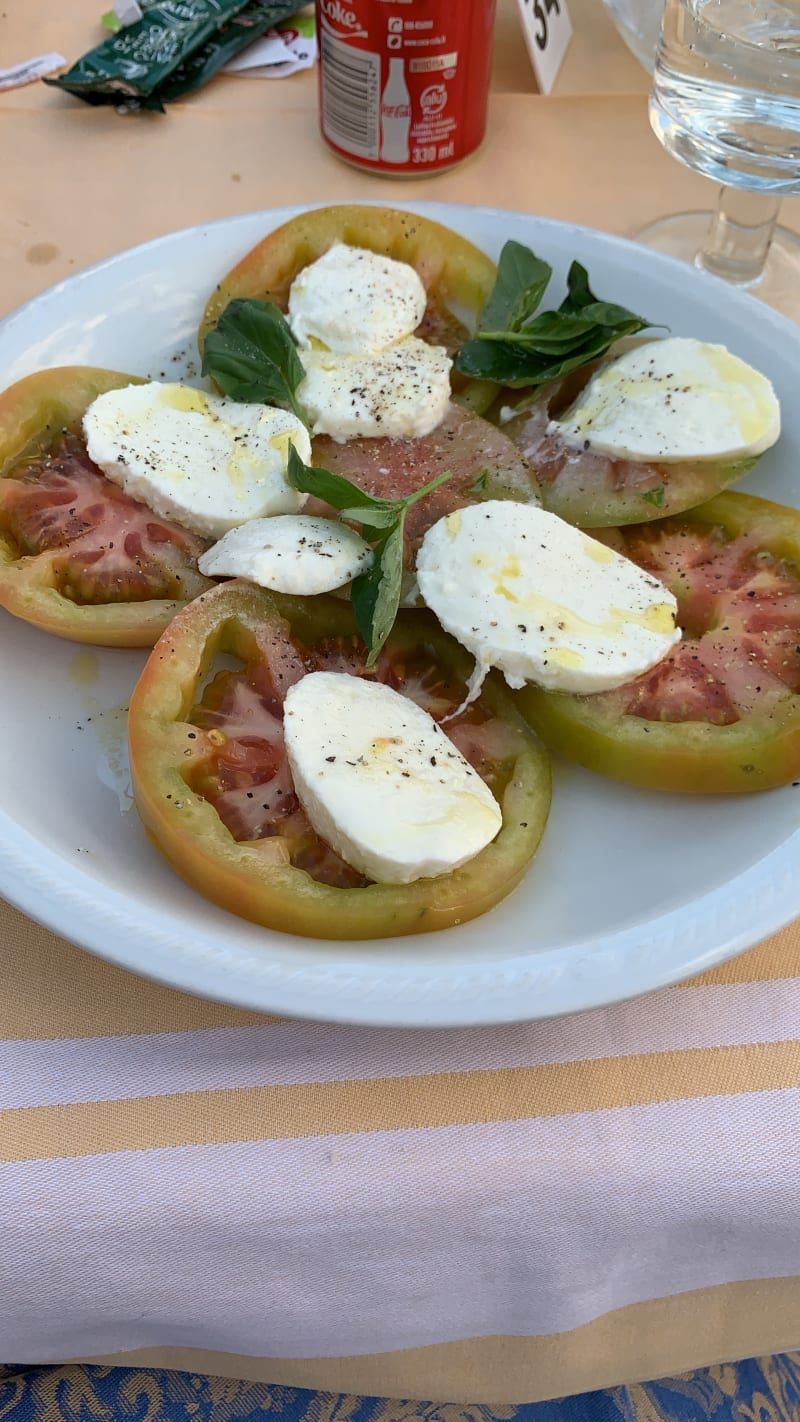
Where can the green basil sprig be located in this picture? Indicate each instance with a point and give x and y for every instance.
(514, 346)
(375, 594)
(252, 356)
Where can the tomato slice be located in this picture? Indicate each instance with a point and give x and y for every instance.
(483, 461)
(594, 491)
(213, 786)
(456, 275)
(78, 557)
(721, 713)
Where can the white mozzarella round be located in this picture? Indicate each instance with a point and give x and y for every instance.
(381, 783)
(674, 400)
(528, 593)
(353, 300)
(291, 553)
(399, 393)
(205, 461)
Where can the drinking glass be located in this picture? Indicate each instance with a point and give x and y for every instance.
(726, 101)
(639, 24)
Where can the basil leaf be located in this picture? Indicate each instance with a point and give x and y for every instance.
(426, 489)
(252, 357)
(493, 360)
(373, 519)
(515, 366)
(656, 495)
(353, 503)
(553, 368)
(516, 347)
(605, 313)
(579, 293)
(551, 330)
(520, 285)
(519, 365)
(481, 483)
(333, 488)
(375, 594)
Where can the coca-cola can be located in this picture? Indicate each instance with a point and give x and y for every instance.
(404, 84)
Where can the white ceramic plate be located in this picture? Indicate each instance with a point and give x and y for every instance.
(629, 890)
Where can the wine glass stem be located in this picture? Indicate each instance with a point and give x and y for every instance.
(739, 238)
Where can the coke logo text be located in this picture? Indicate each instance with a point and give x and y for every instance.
(337, 12)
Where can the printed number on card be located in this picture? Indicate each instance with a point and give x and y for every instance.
(548, 30)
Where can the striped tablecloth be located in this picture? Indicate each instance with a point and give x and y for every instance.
(487, 1215)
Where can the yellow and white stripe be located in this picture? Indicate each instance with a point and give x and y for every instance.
(469, 1213)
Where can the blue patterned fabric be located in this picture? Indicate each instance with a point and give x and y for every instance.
(757, 1390)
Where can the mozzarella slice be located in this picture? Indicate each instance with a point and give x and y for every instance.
(207, 462)
(402, 392)
(291, 553)
(673, 400)
(352, 300)
(381, 783)
(528, 593)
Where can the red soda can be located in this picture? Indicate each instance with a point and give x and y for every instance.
(403, 84)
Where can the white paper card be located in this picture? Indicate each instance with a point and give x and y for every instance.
(285, 50)
(30, 70)
(548, 30)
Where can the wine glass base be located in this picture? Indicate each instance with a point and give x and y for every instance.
(685, 235)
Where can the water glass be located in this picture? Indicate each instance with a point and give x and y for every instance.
(726, 90)
(726, 101)
(639, 23)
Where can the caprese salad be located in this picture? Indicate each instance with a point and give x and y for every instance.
(438, 528)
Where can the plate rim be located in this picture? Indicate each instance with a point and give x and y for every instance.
(281, 993)
(771, 878)
(427, 208)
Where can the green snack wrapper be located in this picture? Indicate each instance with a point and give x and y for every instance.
(257, 17)
(139, 65)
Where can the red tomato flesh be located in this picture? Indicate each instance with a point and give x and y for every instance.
(246, 776)
(721, 713)
(78, 557)
(115, 549)
(740, 612)
(202, 744)
(484, 463)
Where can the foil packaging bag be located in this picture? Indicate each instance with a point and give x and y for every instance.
(175, 47)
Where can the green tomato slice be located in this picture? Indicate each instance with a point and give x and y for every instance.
(78, 557)
(457, 276)
(593, 490)
(213, 785)
(721, 713)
